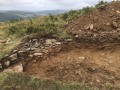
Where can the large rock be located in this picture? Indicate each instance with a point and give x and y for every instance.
(7, 63)
(14, 57)
(50, 41)
(22, 53)
(58, 43)
(38, 54)
(18, 68)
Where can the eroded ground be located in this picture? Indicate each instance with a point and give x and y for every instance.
(94, 64)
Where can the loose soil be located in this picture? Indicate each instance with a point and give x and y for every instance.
(101, 24)
(94, 64)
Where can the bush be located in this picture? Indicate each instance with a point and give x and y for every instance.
(30, 30)
(100, 3)
(13, 29)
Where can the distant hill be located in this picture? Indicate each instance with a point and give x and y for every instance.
(22, 14)
(53, 12)
(5, 17)
(13, 15)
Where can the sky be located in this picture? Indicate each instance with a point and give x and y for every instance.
(39, 5)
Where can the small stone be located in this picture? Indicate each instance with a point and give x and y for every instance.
(28, 49)
(87, 27)
(34, 49)
(76, 36)
(118, 29)
(81, 58)
(15, 51)
(98, 81)
(18, 68)
(50, 41)
(38, 54)
(31, 56)
(118, 12)
(26, 44)
(45, 51)
(7, 63)
(22, 53)
(58, 43)
(36, 44)
(114, 24)
(30, 41)
(34, 40)
(91, 27)
(69, 40)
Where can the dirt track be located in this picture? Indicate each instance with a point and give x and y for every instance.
(93, 64)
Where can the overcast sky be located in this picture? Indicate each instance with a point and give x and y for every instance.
(39, 5)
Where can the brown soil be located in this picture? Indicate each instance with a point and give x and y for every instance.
(94, 64)
(98, 25)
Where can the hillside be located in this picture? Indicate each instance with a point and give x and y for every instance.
(5, 17)
(78, 50)
(101, 24)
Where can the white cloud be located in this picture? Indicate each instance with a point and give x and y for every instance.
(37, 5)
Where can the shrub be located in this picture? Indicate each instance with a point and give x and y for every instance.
(30, 30)
(100, 3)
(51, 17)
(13, 29)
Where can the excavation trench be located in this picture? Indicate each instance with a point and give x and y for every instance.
(94, 64)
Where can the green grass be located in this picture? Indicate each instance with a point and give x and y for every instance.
(7, 47)
(13, 81)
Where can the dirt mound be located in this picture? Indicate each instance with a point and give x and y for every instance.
(98, 25)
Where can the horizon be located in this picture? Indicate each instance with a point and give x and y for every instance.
(44, 5)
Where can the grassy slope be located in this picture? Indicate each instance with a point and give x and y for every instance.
(12, 81)
(50, 25)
